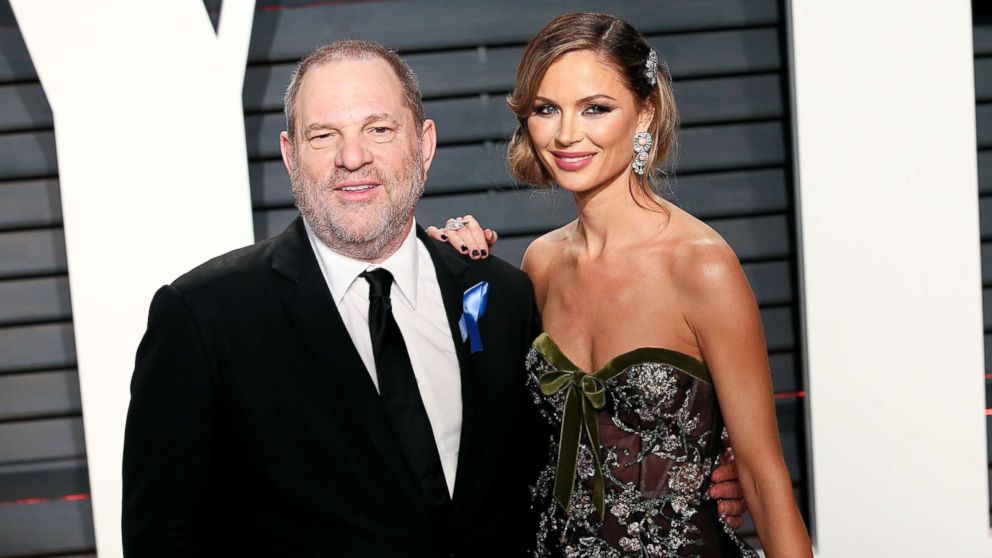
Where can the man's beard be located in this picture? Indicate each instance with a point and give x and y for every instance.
(360, 230)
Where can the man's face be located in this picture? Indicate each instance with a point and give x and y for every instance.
(357, 162)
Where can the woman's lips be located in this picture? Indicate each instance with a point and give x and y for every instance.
(567, 161)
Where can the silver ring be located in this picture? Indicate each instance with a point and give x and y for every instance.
(455, 224)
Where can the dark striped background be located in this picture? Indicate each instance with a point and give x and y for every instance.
(982, 14)
(44, 501)
(729, 64)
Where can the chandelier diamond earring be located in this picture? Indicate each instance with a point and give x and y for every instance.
(642, 146)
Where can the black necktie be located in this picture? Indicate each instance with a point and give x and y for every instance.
(400, 394)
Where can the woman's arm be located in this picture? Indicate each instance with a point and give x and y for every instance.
(722, 312)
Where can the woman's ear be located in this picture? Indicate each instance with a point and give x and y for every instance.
(645, 116)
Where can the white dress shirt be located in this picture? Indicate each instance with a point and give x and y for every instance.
(419, 311)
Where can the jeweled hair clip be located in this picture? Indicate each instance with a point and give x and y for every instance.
(651, 67)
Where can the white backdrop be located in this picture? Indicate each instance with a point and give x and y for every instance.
(890, 258)
(888, 213)
(147, 105)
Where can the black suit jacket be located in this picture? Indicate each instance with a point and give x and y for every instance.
(255, 430)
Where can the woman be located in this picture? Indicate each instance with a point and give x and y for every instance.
(661, 331)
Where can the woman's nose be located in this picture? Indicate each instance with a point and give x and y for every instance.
(569, 130)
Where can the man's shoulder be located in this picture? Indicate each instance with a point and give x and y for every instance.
(241, 266)
(506, 277)
(499, 269)
(500, 274)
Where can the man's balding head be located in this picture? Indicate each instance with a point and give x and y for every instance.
(357, 50)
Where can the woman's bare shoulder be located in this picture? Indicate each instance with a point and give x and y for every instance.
(543, 249)
(539, 257)
(701, 258)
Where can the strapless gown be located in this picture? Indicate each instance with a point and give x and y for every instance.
(630, 457)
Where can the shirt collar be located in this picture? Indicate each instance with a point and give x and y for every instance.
(341, 271)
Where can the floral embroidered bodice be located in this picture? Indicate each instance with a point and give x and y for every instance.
(630, 459)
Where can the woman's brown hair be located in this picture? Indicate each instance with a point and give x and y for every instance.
(621, 46)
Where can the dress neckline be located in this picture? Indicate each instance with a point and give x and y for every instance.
(689, 364)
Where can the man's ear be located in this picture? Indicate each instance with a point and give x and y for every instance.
(428, 144)
(286, 147)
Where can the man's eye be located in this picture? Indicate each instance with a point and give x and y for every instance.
(320, 136)
(545, 110)
(380, 134)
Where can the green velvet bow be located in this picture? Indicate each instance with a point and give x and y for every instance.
(586, 395)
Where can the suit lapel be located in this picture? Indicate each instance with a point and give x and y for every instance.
(342, 378)
(454, 278)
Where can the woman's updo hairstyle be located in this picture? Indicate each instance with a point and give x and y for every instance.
(621, 46)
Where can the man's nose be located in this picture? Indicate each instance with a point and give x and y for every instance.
(352, 153)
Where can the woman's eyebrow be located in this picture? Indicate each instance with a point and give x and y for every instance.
(594, 97)
(580, 101)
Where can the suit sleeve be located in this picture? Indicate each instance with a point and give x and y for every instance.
(533, 437)
(168, 439)
(537, 434)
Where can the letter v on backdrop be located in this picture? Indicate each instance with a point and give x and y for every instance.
(149, 129)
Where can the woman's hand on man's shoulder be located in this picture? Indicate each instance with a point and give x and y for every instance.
(466, 235)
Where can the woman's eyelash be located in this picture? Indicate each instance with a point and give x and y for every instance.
(590, 109)
(545, 110)
(599, 109)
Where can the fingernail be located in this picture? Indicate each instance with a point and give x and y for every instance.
(464, 248)
(475, 253)
(444, 237)
(484, 253)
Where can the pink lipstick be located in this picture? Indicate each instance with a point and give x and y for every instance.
(573, 160)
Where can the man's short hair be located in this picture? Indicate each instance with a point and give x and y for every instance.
(359, 50)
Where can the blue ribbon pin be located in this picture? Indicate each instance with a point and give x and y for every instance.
(473, 307)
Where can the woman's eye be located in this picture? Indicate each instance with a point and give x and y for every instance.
(545, 110)
(598, 109)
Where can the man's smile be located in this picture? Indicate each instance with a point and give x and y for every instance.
(357, 190)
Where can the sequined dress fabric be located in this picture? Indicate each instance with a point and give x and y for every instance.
(659, 435)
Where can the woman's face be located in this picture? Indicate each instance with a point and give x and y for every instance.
(583, 122)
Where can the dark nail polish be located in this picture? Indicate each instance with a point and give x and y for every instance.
(444, 237)
(475, 253)
(484, 253)
(464, 248)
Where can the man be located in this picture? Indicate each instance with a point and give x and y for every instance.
(313, 394)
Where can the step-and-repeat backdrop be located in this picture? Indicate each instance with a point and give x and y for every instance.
(832, 147)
